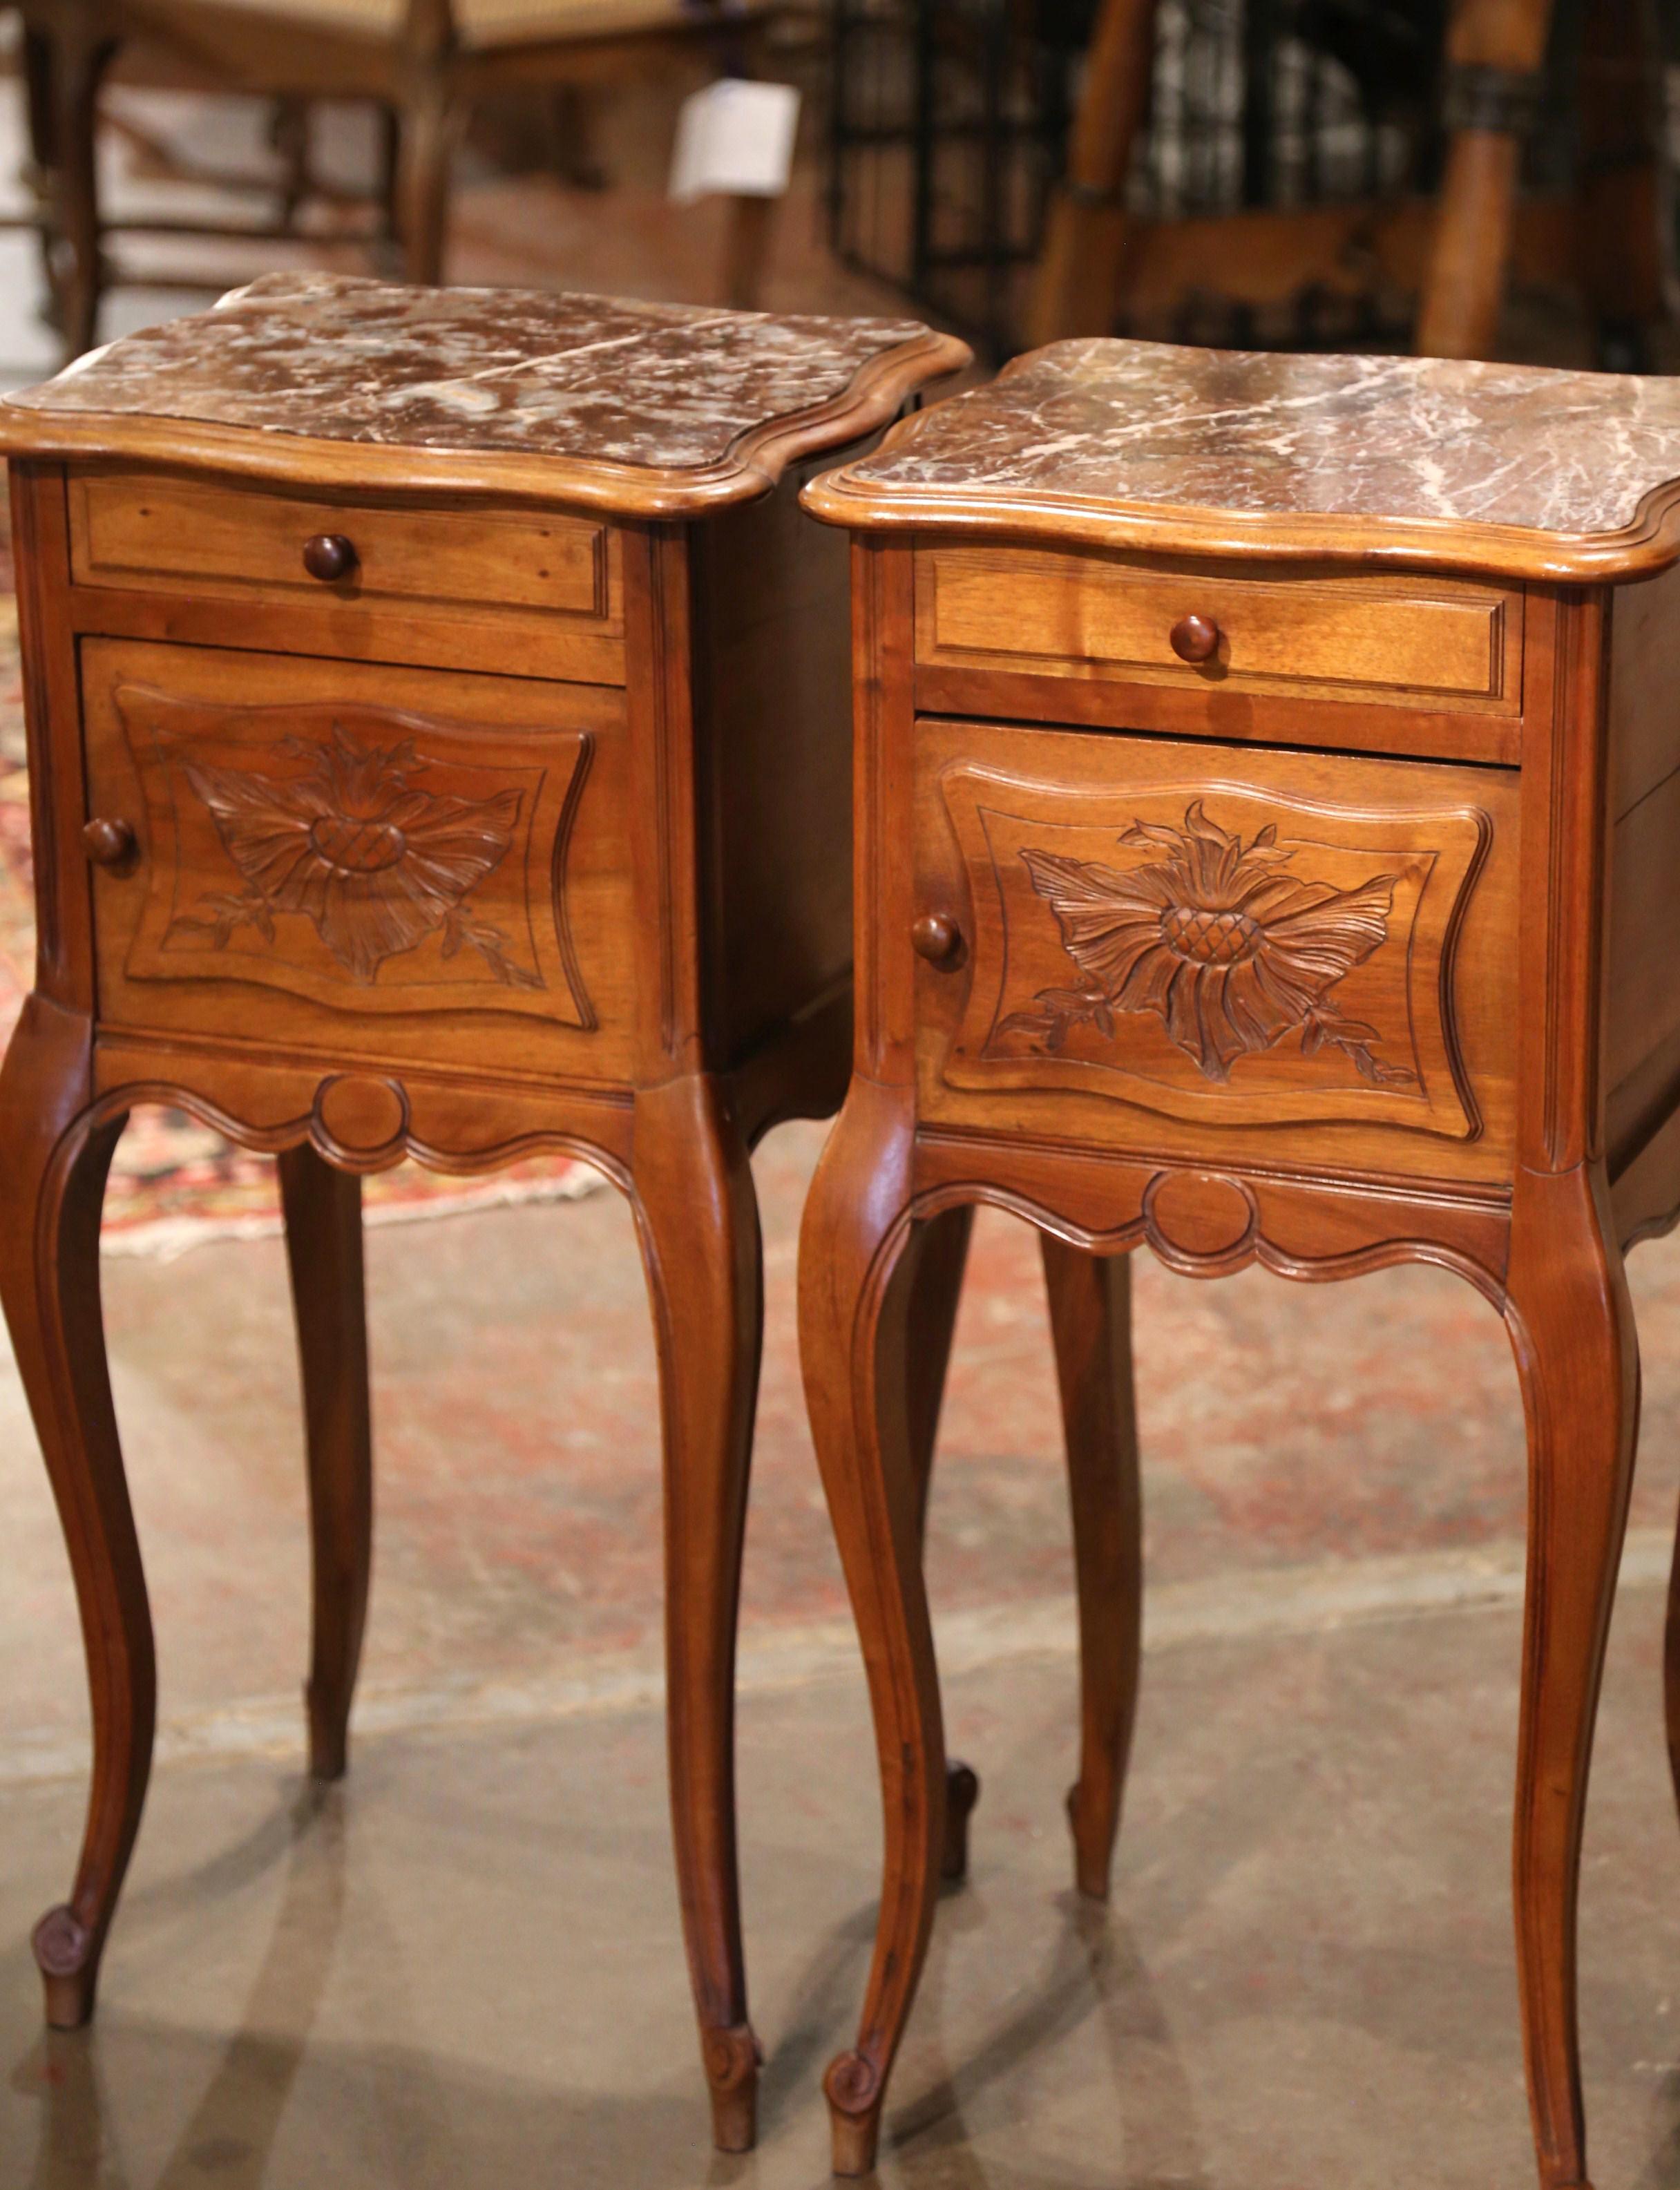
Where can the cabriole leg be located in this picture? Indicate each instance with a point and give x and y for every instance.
(1572, 1327)
(931, 1321)
(698, 1219)
(324, 1256)
(1091, 1321)
(858, 1258)
(52, 1170)
(1670, 1671)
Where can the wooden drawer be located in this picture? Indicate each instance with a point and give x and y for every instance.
(1317, 633)
(362, 861)
(148, 532)
(1217, 950)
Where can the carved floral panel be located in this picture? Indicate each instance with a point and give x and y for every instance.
(359, 846)
(1229, 952)
(1214, 950)
(356, 855)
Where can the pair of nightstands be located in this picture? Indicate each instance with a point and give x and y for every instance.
(1263, 784)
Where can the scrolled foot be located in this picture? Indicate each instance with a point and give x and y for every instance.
(1092, 1842)
(853, 2091)
(733, 2059)
(963, 1792)
(63, 1953)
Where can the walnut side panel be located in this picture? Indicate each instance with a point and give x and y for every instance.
(52, 707)
(772, 628)
(1641, 1035)
(1644, 677)
(1642, 987)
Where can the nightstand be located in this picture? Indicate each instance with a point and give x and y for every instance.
(437, 713)
(1267, 785)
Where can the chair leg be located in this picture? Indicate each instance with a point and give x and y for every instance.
(323, 1247)
(930, 1321)
(1627, 211)
(1091, 1319)
(81, 55)
(1076, 290)
(1670, 1671)
(698, 1219)
(423, 161)
(747, 250)
(1572, 1328)
(389, 184)
(289, 127)
(52, 1170)
(574, 113)
(1495, 50)
(37, 67)
(857, 1278)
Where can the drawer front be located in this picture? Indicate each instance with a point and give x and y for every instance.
(1186, 946)
(1320, 634)
(369, 862)
(146, 532)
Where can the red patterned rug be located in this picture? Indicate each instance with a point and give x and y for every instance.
(175, 1183)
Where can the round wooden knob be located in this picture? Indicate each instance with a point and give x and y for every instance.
(328, 556)
(1195, 639)
(110, 843)
(936, 937)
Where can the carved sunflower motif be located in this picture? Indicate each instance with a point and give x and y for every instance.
(376, 863)
(1230, 953)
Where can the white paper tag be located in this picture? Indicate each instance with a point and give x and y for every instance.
(737, 137)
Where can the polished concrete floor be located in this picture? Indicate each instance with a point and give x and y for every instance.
(461, 1970)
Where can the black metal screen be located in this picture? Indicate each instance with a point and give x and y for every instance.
(1286, 102)
(946, 124)
(950, 121)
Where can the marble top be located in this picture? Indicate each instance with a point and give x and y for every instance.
(491, 372)
(1392, 442)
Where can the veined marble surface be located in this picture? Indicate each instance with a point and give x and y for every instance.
(1379, 437)
(595, 378)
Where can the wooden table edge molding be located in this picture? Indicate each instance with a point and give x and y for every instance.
(1643, 548)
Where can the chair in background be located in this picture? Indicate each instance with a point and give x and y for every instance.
(425, 62)
(1614, 231)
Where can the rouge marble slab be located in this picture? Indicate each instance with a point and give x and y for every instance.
(1505, 468)
(648, 409)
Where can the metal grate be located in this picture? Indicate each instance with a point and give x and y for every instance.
(1286, 102)
(946, 122)
(950, 120)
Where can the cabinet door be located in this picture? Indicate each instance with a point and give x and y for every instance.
(371, 862)
(1309, 956)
